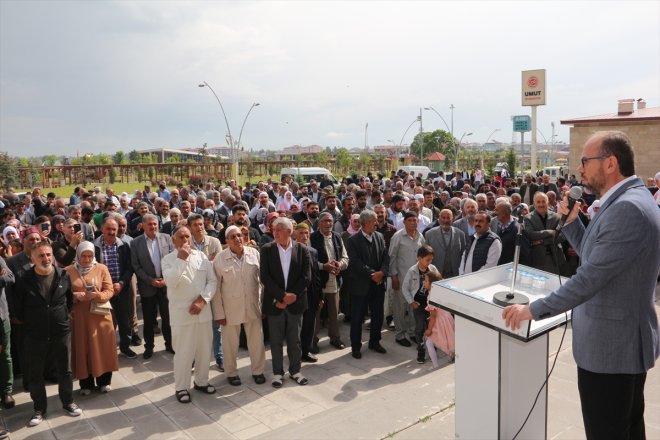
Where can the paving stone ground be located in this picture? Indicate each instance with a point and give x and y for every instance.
(377, 397)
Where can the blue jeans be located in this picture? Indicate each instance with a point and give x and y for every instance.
(217, 342)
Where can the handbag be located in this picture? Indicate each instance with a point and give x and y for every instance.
(98, 308)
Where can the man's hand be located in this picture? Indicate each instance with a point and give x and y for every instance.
(329, 267)
(289, 298)
(76, 239)
(184, 252)
(321, 304)
(116, 288)
(158, 282)
(562, 209)
(396, 285)
(197, 306)
(514, 315)
(221, 322)
(377, 277)
(415, 305)
(280, 305)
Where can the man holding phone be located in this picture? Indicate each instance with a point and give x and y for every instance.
(64, 249)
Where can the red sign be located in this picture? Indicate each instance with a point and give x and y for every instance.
(532, 82)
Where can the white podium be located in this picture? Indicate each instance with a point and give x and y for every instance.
(498, 372)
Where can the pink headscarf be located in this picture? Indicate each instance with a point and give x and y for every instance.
(350, 229)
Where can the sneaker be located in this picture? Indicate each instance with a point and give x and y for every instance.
(128, 353)
(85, 391)
(421, 358)
(106, 388)
(136, 341)
(72, 410)
(36, 418)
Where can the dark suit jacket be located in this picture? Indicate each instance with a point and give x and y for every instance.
(18, 264)
(534, 187)
(359, 271)
(5, 280)
(299, 278)
(144, 268)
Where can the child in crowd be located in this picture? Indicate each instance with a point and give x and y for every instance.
(416, 294)
(440, 331)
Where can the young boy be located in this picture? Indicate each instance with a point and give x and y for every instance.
(417, 295)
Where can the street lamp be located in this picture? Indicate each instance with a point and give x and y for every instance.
(456, 146)
(230, 137)
(482, 148)
(451, 130)
(240, 135)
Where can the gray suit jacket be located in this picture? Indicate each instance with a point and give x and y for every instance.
(142, 264)
(454, 252)
(462, 224)
(536, 232)
(615, 327)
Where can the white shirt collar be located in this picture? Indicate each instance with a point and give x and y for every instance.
(611, 191)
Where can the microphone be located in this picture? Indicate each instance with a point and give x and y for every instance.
(573, 196)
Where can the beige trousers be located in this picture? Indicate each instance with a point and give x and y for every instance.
(255, 342)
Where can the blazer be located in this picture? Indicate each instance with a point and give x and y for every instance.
(534, 187)
(615, 326)
(462, 224)
(535, 231)
(359, 271)
(299, 278)
(6, 279)
(143, 267)
(238, 294)
(453, 252)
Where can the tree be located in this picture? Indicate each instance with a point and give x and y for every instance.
(364, 161)
(119, 157)
(322, 158)
(438, 140)
(511, 162)
(133, 156)
(50, 160)
(203, 153)
(102, 159)
(8, 171)
(343, 159)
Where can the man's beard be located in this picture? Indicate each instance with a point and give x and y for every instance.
(240, 222)
(312, 215)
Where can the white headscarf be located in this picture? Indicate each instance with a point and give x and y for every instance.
(7, 230)
(83, 247)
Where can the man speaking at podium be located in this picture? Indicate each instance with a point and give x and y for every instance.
(615, 326)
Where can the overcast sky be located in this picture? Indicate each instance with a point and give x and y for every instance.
(100, 76)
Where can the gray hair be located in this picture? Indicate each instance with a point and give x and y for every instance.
(283, 221)
(367, 215)
(149, 217)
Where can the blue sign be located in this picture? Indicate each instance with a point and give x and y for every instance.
(522, 123)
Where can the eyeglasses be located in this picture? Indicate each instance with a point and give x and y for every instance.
(584, 160)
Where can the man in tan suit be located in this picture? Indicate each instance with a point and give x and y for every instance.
(238, 301)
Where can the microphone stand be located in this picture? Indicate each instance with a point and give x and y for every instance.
(511, 297)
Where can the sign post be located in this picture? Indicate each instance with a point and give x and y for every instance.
(521, 124)
(533, 94)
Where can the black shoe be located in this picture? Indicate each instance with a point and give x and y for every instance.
(413, 339)
(169, 349)
(220, 365)
(421, 356)
(378, 348)
(404, 342)
(356, 354)
(148, 352)
(315, 348)
(8, 402)
(4, 434)
(130, 354)
(309, 357)
(259, 379)
(135, 340)
(338, 344)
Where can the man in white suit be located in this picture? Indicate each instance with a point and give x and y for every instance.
(615, 326)
(191, 284)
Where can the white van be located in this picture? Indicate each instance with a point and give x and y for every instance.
(553, 172)
(415, 170)
(305, 174)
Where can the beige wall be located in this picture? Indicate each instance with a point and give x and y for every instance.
(644, 135)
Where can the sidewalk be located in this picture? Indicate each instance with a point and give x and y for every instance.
(376, 397)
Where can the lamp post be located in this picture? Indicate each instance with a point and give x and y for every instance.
(456, 147)
(451, 130)
(230, 138)
(482, 148)
(240, 135)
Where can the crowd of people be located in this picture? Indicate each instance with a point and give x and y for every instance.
(227, 266)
